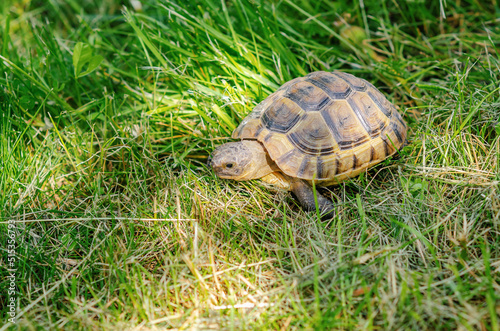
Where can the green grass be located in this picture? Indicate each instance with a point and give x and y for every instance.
(120, 225)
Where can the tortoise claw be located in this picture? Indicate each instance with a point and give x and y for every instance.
(305, 194)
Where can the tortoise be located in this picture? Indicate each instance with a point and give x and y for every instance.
(324, 127)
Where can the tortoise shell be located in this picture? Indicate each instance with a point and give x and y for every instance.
(325, 127)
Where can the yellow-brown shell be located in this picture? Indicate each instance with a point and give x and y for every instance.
(326, 126)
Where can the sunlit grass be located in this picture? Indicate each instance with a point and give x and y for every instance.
(120, 225)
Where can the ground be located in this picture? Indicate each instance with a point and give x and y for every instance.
(111, 220)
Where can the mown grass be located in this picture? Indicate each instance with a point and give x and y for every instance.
(120, 225)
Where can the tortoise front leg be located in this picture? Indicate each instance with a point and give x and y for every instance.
(304, 193)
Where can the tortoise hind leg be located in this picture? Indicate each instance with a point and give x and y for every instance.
(304, 193)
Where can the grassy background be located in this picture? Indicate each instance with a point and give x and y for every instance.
(120, 225)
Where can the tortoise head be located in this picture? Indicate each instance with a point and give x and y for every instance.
(242, 160)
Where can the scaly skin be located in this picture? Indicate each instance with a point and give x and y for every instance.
(305, 194)
(242, 160)
(248, 159)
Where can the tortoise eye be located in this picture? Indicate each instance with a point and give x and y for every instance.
(229, 165)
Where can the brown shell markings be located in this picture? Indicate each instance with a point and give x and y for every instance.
(327, 126)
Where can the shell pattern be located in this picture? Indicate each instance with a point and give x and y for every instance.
(325, 127)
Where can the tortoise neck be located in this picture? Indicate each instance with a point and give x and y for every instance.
(262, 165)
